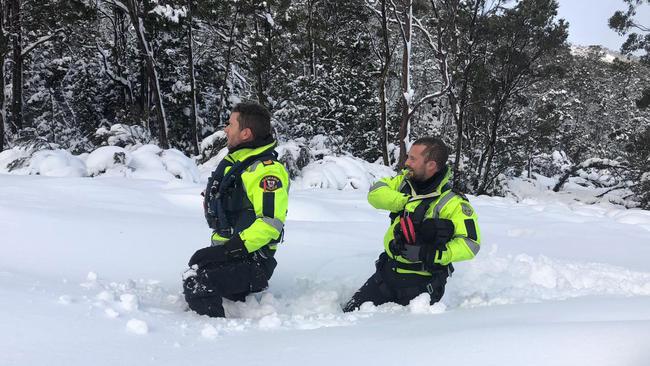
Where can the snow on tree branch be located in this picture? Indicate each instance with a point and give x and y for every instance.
(597, 163)
(42, 39)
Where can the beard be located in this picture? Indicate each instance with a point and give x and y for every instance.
(415, 175)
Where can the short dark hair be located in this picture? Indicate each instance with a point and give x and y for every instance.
(435, 150)
(254, 116)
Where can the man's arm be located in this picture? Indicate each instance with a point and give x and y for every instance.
(465, 243)
(385, 194)
(267, 187)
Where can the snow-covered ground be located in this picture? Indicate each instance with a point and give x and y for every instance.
(90, 274)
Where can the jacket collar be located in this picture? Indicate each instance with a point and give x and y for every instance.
(432, 186)
(248, 149)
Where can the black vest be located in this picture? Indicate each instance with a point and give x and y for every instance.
(226, 205)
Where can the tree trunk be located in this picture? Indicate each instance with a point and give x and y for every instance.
(310, 37)
(383, 120)
(4, 49)
(144, 93)
(151, 71)
(222, 92)
(458, 111)
(193, 120)
(119, 55)
(259, 69)
(2, 94)
(17, 71)
(404, 128)
(489, 152)
(455, 111)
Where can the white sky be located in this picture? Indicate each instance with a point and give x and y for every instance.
(588, 21)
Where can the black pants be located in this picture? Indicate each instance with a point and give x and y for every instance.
(386, 285)
(231, 280)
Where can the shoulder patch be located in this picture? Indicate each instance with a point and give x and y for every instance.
(267, 162)
(270, 183)
(466, 208)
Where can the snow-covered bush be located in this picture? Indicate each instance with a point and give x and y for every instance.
(151, 162)
(294, 155)
(56, 163)
(145, 162)
(108, 159)
(552, 164)
(122, 135)
(20, 155)
(211, 145)
(342, 172)
(53, 163)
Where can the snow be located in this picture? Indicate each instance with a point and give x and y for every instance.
(210, 140)
(139, 162)
(55, 163)
(342, 172)
(169, 13)
(107, 158)
(90, 273)
(137, 326)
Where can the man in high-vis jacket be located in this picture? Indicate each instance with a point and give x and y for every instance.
(431, 227)
(245, 204)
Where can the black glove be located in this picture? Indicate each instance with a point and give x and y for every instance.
(431, 237)
(208, 255)
(232, 249)
(435, 233)
(235, 247)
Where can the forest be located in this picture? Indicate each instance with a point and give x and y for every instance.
(496, 80)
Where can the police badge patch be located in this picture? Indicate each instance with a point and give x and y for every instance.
(270, 183)
(467, 209)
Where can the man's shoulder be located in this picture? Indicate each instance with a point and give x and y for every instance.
(265, 164)
(266, 167)
(458, 201)
(460, 194)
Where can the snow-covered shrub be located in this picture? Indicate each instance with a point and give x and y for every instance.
(108, 159)
(14, 158)
(151, 162)
(294, 155)
(26, 145)
(552, 164)
(179, 165)
(145, 162)
(644, 189)
(342, 172)
(122, 135)
(211, 145)
(56, 163)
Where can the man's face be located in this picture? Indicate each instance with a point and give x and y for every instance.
(233, 133)
(420, 169)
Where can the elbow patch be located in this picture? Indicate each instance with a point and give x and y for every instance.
(470, 226)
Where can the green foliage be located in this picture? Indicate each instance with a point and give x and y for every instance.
(637, 30)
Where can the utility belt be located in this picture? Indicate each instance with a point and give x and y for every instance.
(420, 267)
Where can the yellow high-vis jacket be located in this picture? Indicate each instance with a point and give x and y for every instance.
(397, 194)
(256, 206)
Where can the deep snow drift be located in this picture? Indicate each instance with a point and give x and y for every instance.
(90, 273)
